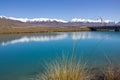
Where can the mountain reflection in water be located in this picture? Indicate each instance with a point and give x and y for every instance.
(13, 39)
(38, 38)
(23, 54)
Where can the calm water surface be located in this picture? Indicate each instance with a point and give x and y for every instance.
(21, 55)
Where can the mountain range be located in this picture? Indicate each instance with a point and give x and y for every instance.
(46, 22)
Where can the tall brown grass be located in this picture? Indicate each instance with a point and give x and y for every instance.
(71, 68)
(111, 73)
(64, 68)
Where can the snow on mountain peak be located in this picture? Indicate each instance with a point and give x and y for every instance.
(89, 20)
(57, 20)
(34, 19)
(2, 16)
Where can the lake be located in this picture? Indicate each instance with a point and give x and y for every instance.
(22, 55)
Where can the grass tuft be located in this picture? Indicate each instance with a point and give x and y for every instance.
(111, 74)
(64, 68)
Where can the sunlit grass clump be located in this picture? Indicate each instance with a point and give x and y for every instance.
(64, 68)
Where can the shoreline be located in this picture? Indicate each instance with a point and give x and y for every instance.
(21, 30)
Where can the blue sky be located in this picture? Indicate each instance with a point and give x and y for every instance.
(61, 9)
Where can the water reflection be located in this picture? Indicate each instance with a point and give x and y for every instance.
(38, 38)
(25, 59)
(13, 39)
(88, 35)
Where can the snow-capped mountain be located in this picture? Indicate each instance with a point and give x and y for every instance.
(34, 19)
(52, 20)
(56, 22)
(118, 23)
(89, 20)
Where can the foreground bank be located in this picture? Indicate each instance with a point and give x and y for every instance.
(69, 68)
(18, 30)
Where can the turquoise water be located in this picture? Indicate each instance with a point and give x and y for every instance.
(22, 55)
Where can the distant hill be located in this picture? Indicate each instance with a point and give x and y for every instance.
(118, 23)
(24, 25)
(24, 22)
